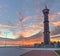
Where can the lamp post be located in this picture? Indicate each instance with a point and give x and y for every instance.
(6, 37)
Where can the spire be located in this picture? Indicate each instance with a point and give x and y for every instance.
(45, 6)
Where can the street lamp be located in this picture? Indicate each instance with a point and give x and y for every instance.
(6, 37)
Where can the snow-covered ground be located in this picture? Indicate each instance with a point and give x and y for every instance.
(13, 51)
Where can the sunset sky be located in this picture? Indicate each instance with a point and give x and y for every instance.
(25, 18)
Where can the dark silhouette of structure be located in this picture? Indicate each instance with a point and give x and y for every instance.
(46, 26)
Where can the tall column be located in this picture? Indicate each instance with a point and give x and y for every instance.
(46, 26)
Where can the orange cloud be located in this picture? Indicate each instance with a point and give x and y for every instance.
(25, 18)
(29, 32)
(38, 16)
(52, 16)
(27, 41)
(17, 34)
(1, 30)
(26, 32)
(58, 13)
(37, 26)
(8, 26)
(57, 23)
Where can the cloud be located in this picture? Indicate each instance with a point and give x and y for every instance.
(29, 32)
(35, 17)
(58, 13)
(56, 31)
(37, 26)
(7, 26)
(39, 17)
(17, 33)
(1, 30)
(57, 23)
(52, 16)
(32, 30)
(25, 18)
(57, 35)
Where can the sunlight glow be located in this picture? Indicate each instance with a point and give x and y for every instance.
(7, 34)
